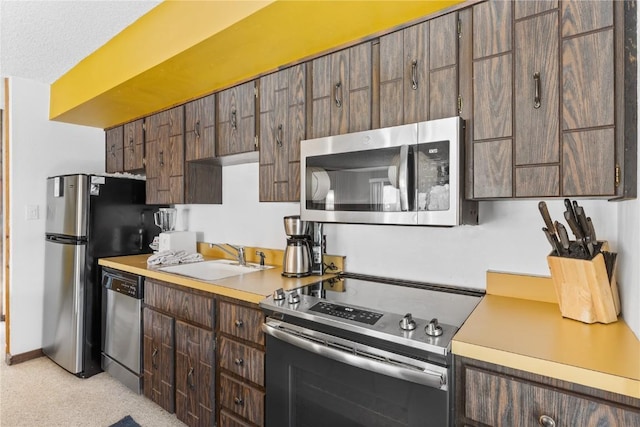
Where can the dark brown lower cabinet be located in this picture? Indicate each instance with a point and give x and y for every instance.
(493, 395)
(158, 361)
(241, 356)
(194, 375)
(179, 351)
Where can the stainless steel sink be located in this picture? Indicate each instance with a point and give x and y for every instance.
(214, 270)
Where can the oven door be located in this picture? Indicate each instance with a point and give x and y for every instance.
(315, 379)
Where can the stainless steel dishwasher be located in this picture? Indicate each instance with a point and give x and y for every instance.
(122, 327)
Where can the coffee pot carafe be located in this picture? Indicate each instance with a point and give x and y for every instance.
(297, 255)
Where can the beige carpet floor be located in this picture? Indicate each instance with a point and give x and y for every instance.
(39, 393)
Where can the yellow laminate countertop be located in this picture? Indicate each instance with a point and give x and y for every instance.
(518, 325)
(253, 287)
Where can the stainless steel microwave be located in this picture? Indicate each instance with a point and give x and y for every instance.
(409, 174)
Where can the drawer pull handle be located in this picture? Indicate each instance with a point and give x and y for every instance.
(153, 358)
(546, 421)
(536, 89)
(239, 323)
(414, 75)
(234, 120)
(337, 93)
(238, 361)
(197, 129)
(190, 379)
(238, 401)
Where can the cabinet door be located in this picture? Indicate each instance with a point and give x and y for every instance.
(588, 99)
(200, 120)
(242, 360)
(515, 402)
(243, 400)
(158, 358)
(113, 150)
(236, 119)
(282, 127)
(241, 322)
(195, 403)
(443, 67)
(536, 106)
(134, 146)
(165, 157)
(341, 92)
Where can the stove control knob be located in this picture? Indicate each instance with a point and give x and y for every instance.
(407, 323)
(278, 295)
(433, 329)
(294, 298)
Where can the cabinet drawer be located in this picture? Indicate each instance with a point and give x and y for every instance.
(495, 399)
(228, 419)
(242, 360)
(184, 305)
(245, 401)
(241, 322)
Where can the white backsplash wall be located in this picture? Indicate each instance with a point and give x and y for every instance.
(509, 237)
(241, 219)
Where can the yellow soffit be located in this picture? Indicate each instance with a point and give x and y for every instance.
(181, 50)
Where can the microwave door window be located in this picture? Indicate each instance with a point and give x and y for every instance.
(432, 172)
(358, 181)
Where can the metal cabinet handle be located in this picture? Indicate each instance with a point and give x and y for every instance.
(279, 136)
(190, 382)
(536, 96)
(113, 150)
(337, 93)
(239, 323)
(161, 158)
(197, 129)
(234, 120)
(131, 142)
(414, 74)
(238, 401)
(238, 361)
(153, 358)
(546, 421)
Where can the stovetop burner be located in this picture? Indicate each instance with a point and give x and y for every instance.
(413, 314)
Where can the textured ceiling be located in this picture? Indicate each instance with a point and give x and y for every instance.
(42, 40)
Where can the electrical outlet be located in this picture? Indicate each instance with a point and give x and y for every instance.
(32, 212)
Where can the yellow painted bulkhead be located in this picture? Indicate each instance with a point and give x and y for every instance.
(181, 50)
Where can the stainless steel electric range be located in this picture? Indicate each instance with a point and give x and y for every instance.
(362, 351)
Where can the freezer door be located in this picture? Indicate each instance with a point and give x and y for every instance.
(67, 205)
(64, 304)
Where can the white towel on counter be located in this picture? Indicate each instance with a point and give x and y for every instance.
(174, 257)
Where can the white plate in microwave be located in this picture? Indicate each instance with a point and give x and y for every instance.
(318, 184)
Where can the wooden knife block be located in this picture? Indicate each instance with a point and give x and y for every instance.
(583, 289)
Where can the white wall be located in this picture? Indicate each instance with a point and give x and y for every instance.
(38, 148)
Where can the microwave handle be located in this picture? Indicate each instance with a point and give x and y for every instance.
(403, 178)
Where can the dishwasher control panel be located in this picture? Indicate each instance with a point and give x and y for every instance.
(123, 283)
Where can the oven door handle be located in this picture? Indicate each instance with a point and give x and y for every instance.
(350, 357)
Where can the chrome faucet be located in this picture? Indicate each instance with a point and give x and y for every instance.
(239, 255)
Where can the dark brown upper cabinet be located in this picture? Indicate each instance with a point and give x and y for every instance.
(134, 146)
(341, 92)
(549, 105)
(419, 72)
(282, 118)
(236, 119)
(113, 150)
(200, 129)
(165, 157)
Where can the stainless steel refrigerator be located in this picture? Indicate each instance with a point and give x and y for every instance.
(88, 217)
